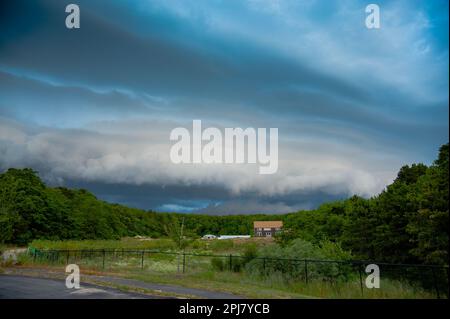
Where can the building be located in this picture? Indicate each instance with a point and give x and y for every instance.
(267, 228)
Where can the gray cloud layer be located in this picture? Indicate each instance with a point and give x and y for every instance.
(95, 106)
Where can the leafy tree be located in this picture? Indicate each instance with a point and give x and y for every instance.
(428, 226)
(407, 222)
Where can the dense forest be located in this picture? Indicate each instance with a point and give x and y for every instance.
(408, 222)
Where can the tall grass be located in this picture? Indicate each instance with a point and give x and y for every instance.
(248, 275)
(126, 243)
(197, 245)
(389, 289)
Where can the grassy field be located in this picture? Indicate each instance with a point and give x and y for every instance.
(240, 283)
(203, 271)
(235, 246)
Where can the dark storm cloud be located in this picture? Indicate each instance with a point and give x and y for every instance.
(101, 54)
(27, 98)
(104, 55)
(94, 106)
(217, 200)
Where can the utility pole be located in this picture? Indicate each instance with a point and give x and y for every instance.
(179, 244)
(181, 232)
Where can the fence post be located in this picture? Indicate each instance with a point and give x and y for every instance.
(264, 265)
(231, 262)
(104, 253)
(448, 288)
(67, 258)
(306, 271)
(435, 283)
(142, 260)
(360, 280)
(184, 262)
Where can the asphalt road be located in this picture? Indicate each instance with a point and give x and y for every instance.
(21, 287)
(199, 293)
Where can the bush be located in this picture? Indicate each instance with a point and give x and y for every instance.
(290, 261)
(238, 262)
(218, 263)
(23, 259)
(250, 252)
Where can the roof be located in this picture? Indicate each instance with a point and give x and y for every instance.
(268, 224)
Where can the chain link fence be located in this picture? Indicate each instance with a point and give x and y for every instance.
(430, 277)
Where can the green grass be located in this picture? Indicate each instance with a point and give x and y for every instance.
(200, 273)
(277, 287)
(197, 245)
(126, 243)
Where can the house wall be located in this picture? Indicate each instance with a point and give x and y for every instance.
(266, 232)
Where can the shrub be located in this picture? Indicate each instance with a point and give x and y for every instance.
(250, 252)
(237, 262)
(290, 261)
(218, 263)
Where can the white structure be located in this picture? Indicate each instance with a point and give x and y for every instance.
(233, 236)
(209, 236)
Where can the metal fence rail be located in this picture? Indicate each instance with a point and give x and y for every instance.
(431, 277)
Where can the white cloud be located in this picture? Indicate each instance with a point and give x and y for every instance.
(137, 159)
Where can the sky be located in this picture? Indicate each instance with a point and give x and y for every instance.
(94, 107)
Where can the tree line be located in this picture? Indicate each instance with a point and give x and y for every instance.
(408, 222)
